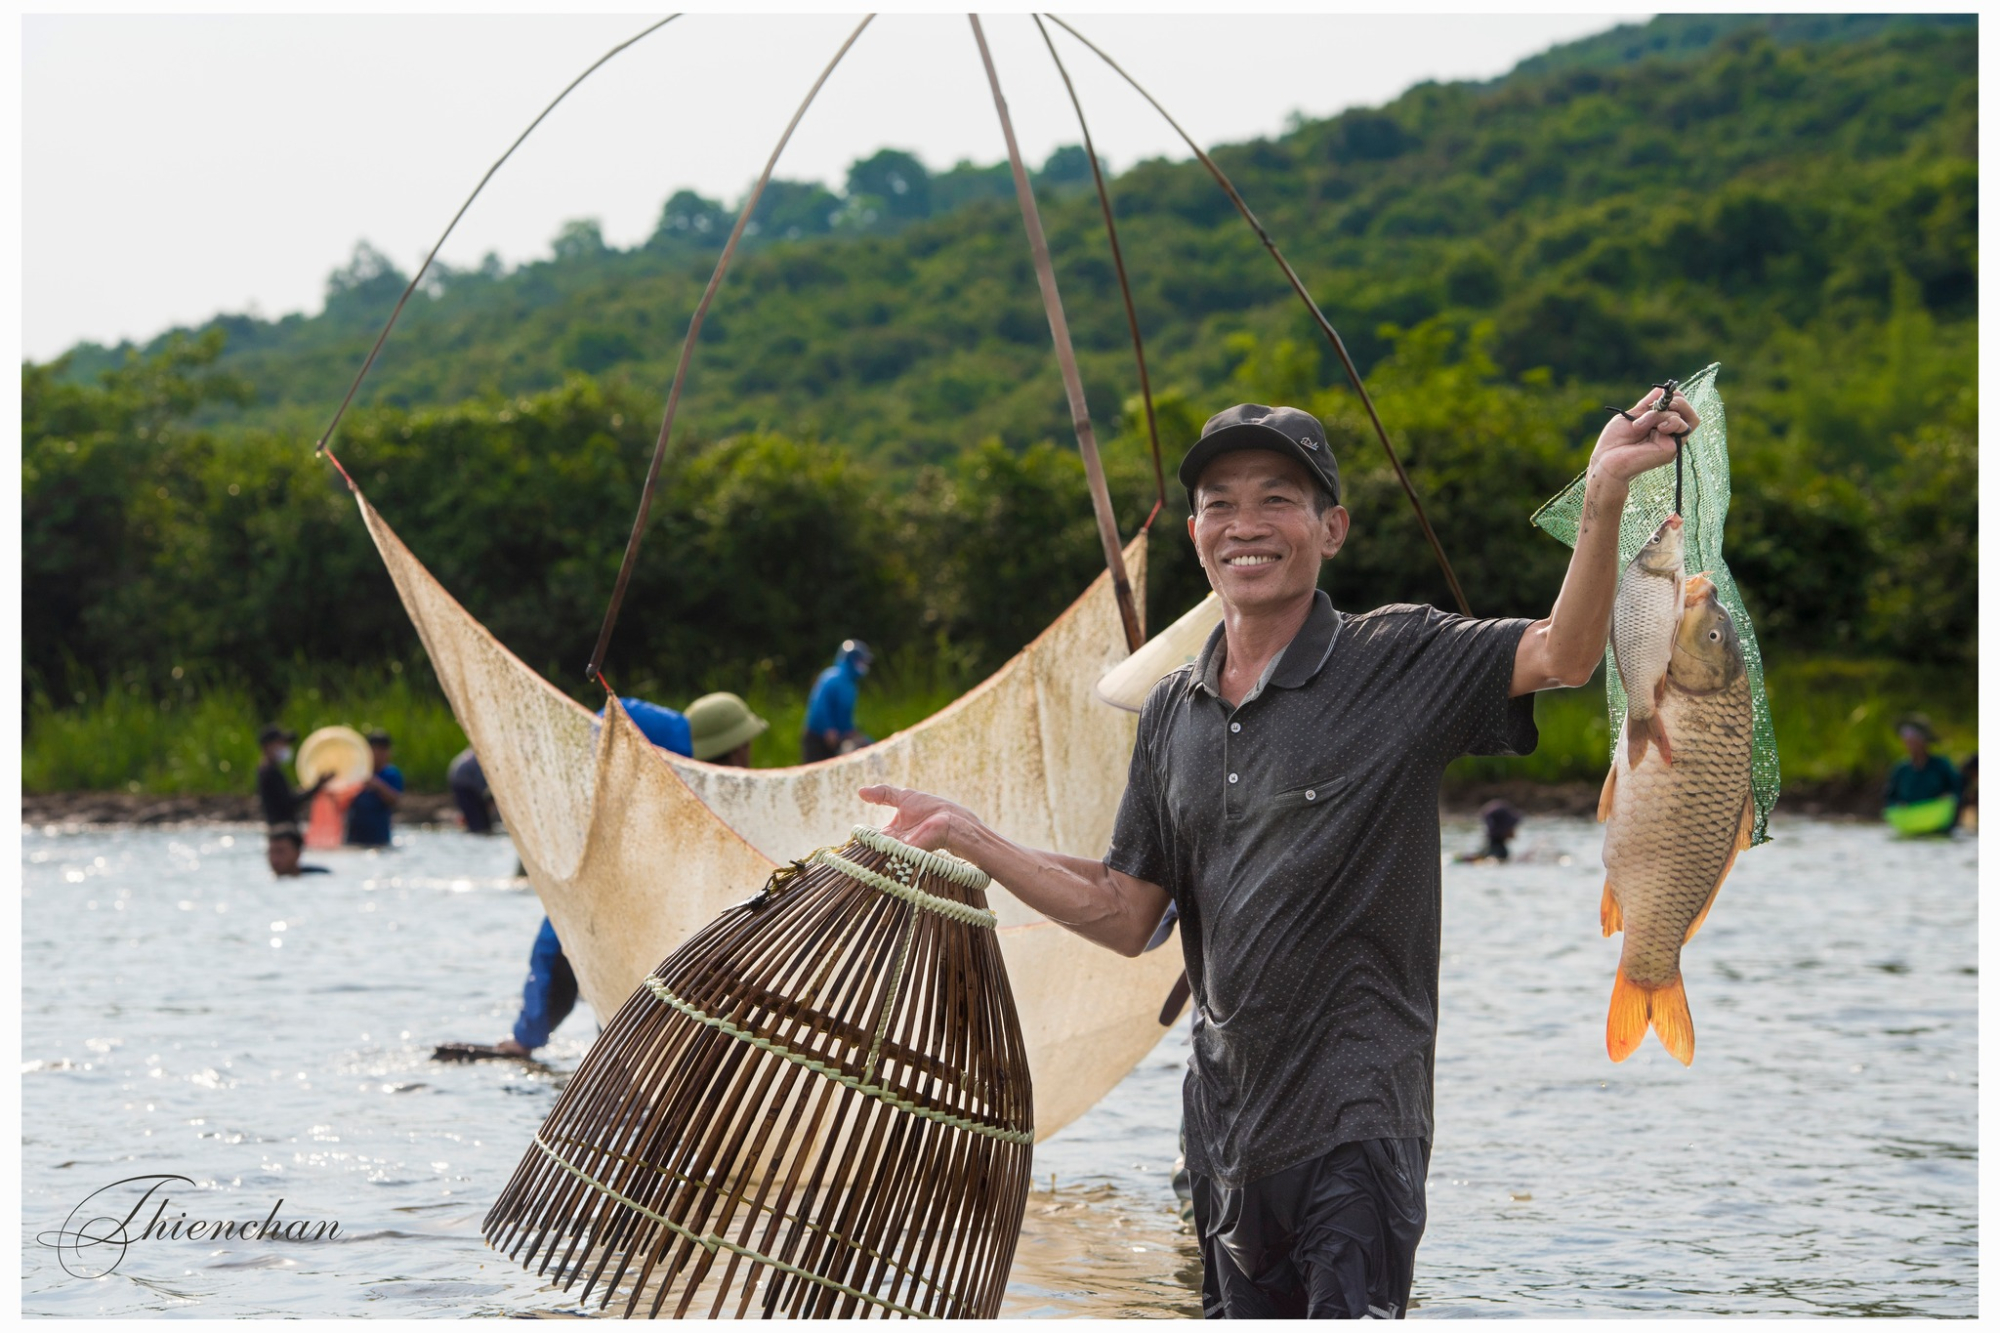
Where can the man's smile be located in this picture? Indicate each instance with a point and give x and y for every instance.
(1239, 561)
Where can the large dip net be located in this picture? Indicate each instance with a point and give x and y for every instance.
(633, 850)
(1704, 504)
(817, 1107)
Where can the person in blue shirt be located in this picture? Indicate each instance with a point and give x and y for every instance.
(368, 816)
(664, 727)
(830, 709)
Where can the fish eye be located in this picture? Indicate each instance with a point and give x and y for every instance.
(1715, 636)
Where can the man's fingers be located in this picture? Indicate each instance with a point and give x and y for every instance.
(883, 794)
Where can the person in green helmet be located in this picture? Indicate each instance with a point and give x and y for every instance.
(723, 727)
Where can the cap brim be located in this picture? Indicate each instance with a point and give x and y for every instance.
(1248, 435)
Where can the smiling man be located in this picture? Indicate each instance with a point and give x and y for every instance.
(1283, 794)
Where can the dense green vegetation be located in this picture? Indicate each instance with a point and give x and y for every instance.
(874, 438)
(1833, 720)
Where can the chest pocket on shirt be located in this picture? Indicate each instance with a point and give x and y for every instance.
(1314, 795)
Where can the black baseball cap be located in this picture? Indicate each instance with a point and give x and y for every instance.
(274, 732)
(1255, 426)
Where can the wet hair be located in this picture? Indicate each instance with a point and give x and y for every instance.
(291, 836)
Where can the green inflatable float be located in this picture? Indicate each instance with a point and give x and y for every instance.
(1919, 817)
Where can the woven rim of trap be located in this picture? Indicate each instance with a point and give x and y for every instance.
(943, 864)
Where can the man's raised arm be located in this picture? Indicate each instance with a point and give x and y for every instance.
(1564, 648)
(1103, 905)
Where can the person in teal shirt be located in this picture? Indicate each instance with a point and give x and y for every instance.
(1923, 776)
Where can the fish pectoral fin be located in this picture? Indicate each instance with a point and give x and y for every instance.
(1604, 798)
(1745, 829)
(1607, 911)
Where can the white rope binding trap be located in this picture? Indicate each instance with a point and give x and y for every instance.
(915, 861)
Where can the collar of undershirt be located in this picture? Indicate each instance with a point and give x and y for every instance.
(1290, 667)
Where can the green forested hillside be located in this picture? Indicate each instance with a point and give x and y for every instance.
(864, 419)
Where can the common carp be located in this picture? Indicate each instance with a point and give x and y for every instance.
(1672, 831)
(1643, 622)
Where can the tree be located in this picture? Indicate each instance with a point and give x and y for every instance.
(896, 179)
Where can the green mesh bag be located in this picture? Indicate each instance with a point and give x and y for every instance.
(1704, 503)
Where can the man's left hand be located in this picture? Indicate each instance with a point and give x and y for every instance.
(1627, 448)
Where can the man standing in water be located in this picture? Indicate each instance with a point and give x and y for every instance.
(1283, 796)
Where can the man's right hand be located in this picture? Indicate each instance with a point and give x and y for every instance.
(922, 820)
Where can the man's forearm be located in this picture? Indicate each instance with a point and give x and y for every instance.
(1580, 621)
(1103, 905)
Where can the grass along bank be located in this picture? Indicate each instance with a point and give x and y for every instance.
(1833, 719)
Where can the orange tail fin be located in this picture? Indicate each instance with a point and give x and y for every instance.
(1672, 1022)
(1634, 1008)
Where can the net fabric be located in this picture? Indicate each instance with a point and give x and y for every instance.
(633, 850)
(1704, 505)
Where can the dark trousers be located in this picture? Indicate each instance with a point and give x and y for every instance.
(815, 748)
(550, 993)
(1332, 1238)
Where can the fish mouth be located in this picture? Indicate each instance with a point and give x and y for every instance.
(1697, 587)
(1674, 522)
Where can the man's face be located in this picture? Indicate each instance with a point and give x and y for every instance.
(283, 855)
(1914, 742)
(380, 753)
(1254, 529)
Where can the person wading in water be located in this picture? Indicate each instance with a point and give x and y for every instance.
(1283, 795)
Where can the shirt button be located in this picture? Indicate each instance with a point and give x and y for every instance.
(1232, 777)
(1236, 726)
(1311, 794)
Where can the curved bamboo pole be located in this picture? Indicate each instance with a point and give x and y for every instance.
(1079, 410)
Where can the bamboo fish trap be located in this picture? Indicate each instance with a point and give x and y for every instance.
(817, 1107)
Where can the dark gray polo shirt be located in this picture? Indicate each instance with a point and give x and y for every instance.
(1298, 833)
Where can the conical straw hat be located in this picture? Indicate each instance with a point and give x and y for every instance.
(341, 751)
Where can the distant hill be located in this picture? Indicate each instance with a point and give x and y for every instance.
(1779, 180)
(1682, 36)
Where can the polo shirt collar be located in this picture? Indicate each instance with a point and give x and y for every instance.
(1296, 663)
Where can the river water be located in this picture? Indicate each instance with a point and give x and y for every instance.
(186, 1016)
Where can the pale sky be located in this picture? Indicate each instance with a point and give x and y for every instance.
(178, 166)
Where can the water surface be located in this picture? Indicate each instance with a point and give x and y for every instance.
(184, 1014)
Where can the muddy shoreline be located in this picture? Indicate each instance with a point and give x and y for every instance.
(435, 809)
